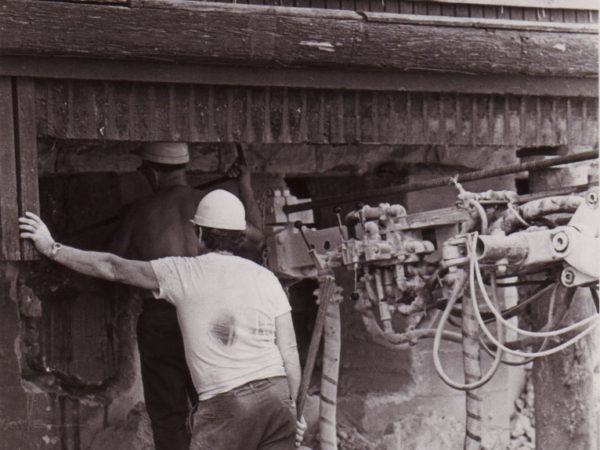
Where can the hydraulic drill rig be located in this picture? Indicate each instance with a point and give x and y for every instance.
(549, 240)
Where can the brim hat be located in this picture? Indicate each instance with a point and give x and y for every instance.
(171, 153)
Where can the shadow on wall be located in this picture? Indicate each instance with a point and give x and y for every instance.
(77, 339)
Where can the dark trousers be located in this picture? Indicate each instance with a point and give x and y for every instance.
(168, 387)
(256, 416)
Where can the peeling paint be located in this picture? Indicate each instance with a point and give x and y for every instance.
(561, 47)
(324, 46)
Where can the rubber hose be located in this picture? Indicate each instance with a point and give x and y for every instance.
(329, 378)
(472, 370)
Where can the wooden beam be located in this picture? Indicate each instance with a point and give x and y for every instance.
(108, 2)
(9, 208)
(26, 155)
(590, 5)
(484, 23)
(319, 78)
(199, 32)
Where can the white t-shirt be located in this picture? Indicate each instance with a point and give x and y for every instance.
(226, 307)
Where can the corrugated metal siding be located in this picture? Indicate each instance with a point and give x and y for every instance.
(194, 113)
(440, 9)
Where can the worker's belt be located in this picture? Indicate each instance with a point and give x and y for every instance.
(251, 386)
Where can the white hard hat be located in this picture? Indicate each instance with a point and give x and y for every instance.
(166, 152)
(220, 209)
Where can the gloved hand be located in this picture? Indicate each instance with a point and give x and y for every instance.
(300, 430)
(33, 228)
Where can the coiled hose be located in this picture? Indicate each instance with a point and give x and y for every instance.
(329, 378)
(472, 371)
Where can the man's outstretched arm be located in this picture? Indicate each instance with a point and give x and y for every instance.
(96, 264)
(241, 173)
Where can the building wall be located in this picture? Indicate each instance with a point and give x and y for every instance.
(88, 110)
(71, 380)
(77, 365)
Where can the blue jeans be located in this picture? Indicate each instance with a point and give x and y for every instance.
(257, 415)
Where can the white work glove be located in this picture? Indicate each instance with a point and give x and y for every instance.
(33, 228)
(300, 430)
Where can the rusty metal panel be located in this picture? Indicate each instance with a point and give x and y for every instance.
(122, 111)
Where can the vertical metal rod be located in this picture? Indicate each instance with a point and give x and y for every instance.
(326, 292)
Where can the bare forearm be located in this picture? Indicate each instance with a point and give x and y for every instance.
(291, 364)
(286, 343)
(105, 266)
(252, 212)
(95, 264)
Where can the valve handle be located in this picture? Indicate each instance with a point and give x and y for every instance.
(298, 224)
(338, 212)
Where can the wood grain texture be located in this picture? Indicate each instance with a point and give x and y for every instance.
(274, 36)
(271, 114)
(9, 208)
(26, 156)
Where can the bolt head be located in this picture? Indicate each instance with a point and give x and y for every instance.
(560, 241)
(567, 277)
(592, 198)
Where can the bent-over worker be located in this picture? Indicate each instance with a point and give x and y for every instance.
(235, 320)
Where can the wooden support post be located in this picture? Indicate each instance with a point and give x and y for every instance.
(565, 409)
(9, 208)
(18, 165)
(26, 155)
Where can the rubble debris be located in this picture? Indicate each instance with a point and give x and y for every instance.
(522, 422)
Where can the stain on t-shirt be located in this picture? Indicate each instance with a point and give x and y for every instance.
(223, 329)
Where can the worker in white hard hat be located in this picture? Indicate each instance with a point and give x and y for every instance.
(157, 226)
(235, 320)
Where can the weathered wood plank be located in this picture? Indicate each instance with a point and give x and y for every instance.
(434, 9)
(26, 154)
(420, 8)
(476, 11)
(448, 10)
(218, 125)
(69, 68)
(267, 123)
(107, 2)
(406, 7)
(198, 113)
(561, 4)
(273, 36)
(9, 207)
(285, 137)
(503, 13)
(375, 5)
(534, 24)
(390, 7)
(463, 11)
